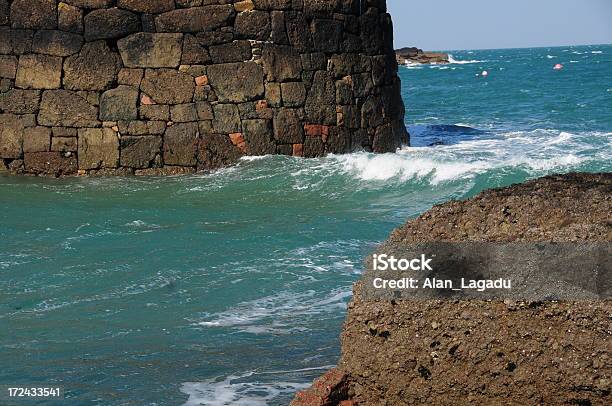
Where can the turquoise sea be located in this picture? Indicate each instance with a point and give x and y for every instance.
(230, 288)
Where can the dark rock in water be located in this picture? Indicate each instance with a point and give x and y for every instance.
(480, 352)
(416, 55)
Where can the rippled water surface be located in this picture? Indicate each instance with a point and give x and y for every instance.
(230, 288)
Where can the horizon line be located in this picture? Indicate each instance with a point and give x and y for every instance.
(492, 49)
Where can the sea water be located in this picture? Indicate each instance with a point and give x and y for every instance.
(230, 288)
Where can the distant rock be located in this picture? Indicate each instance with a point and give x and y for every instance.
(414, 55)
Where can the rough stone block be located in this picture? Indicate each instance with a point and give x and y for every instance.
(39, 72)
(168, 86)
(110, 24)
(339, 140)
(183, 113)
(63, 108)
(69, 18)
(194, 52)
(50, 163)
(8, 66)
(321, 100)
(326, 35)
(36, 139)
(156, 127)
(313, 147)
(119, 104)
(64, 132)
(155, 112)
(216, 151)
(237, 82)
(195, 19)
(281, 63)
(130, 77)
(64, 144)
(273, 94)
(19, 101)
(94, 68)
(90, 4)
(245, 5)
(288, 127)
(180, 144)
(279, 29)
(4, 12)
(11, 136)
(147, 6)
(140, 152)
(294, 94)
(137, 128)
(227, 119)
(204, 111)
(253, 25)
(258, 136)
(148, 50)
(237, 51)
(98, 148)
(57, 43)
(34, 14)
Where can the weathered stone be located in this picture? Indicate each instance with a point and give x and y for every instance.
(274, 4)
(36, 139)
(344, 91)
(320, 103)
(15, 42)
(8, 66)
(313, 147)
(64, 144)
(258, 137)
(288, 127)
(227, 119)
(201, 80)
(90, 4)
(253, 25)
(110, 23)
(39, 72)
(69, 18)
(326, 35)
(155, 112)
(156, 127)
(140, 152)
(94, 68)
(98, 148)
(339, 140)
(298, 32)
(119, 104)
(183, 113)
(273, 94)
(245, 5)
(64, 132)
(237, 51)
(194, 52)
(63, 108)
(294, 94)
(372, 112)
(180, 144)
(281, 63)
(50, 163)
(204, 111)
(147, 6)
(216, 151)
(57, 43)
(135, 127)
(279, 30)
(148, 50)
(284, 149)
(34, 14)
(195, 19)
(167, 86)
(130, 77)
(19, 101)
(237, 82)
(11, 136)
(4, 12)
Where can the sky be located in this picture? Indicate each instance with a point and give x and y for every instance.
(435, 25)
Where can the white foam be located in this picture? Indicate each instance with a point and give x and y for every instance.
(550, 56)
(597, 52)
(452, 60)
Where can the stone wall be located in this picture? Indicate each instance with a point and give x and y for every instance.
(173, 86)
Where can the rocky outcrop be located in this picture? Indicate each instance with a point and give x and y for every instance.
(477, 352)
(208, 81)
(418, 56)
